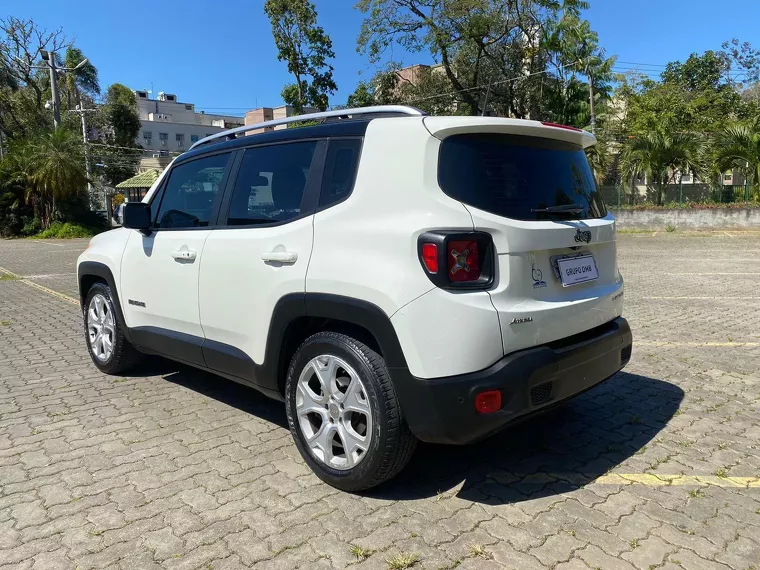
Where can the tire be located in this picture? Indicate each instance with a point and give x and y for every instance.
(99, 313)
(390, 444)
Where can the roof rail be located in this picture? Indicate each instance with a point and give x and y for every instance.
(375, 110)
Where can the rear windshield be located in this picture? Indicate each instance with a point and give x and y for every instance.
(517, 177)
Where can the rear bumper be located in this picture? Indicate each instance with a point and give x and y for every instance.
(442, 410)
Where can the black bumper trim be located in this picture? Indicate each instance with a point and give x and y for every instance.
(442, 410)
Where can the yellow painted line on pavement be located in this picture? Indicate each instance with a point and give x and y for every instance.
(697, 344)
(42, 288)
(648, 479)
(687, 298)
(662, 480)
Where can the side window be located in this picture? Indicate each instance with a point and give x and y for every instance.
(340, 170)
(190, 193)
(270, 183)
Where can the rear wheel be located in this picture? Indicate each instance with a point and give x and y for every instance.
(109, 349)
(343, 413)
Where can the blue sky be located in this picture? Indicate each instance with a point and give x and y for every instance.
(221, 56)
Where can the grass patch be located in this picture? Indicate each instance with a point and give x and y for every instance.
(5, 323)
(479, 551)
(67, 230)
(696, 494)
(670, 228)
(7, 277)
(634, 543)
(402, 561)
(359, 552)
(722, 473)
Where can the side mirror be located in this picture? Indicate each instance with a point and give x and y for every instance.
(137, 216)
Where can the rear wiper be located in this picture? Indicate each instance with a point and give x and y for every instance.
(563, 209)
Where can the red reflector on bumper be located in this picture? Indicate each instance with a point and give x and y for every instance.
(488, 402)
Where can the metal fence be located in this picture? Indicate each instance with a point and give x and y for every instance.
(678, 195)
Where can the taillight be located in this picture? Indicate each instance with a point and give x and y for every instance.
(430, 257)
(457, 260)
(464, 262)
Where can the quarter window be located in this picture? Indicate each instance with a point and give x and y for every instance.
(270, 183)
(340, 171)
(189, 196)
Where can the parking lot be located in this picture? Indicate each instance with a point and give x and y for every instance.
(170, 467)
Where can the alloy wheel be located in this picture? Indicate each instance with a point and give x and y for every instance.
(100, 327)
(334, 412)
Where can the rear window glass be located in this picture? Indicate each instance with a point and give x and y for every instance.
(519, 177)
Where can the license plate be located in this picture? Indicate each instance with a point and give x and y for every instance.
(574, 270)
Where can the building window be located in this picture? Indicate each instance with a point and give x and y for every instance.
(188, 107)
(163, 137)
(180, 139)
(148, 137)
(194, 138)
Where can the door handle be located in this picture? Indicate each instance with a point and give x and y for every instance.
(184, 255)
(280, 256)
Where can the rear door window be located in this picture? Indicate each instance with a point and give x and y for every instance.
(270, 184)
(519, 177)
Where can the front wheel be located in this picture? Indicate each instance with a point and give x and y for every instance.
(344, 414)
(109, 349)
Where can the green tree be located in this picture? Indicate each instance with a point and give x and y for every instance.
(657, 156)
(45, 168)
(306, 48)
(363, 96)
(23, 88)
(121, 122)
(80, 81)
(584, 72)
(738, 146)
(697, 95)
(493, 47)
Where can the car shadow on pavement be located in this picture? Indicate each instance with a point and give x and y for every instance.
(212, 386)
(552, 453)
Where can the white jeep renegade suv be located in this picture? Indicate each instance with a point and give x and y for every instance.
(391, 276)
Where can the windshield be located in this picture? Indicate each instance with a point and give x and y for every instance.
(519, 177)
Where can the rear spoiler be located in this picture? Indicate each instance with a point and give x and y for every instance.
(442, 127)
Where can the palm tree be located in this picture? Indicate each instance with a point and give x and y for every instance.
(738, 146)
(600, 160)
(58, 170)
(658, 156)
(46, 167)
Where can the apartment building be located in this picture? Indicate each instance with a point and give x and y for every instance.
(170, 126)
(262, 114)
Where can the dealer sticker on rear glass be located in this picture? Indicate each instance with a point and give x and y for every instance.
(574, 270)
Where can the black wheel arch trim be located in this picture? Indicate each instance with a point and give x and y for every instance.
(102, 271)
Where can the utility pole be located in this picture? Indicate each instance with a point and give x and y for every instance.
(591, 100)
(82, 111)
(49, 56)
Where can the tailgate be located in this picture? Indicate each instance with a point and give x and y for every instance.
(554, 240)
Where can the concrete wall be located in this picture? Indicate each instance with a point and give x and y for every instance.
(747, 219)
